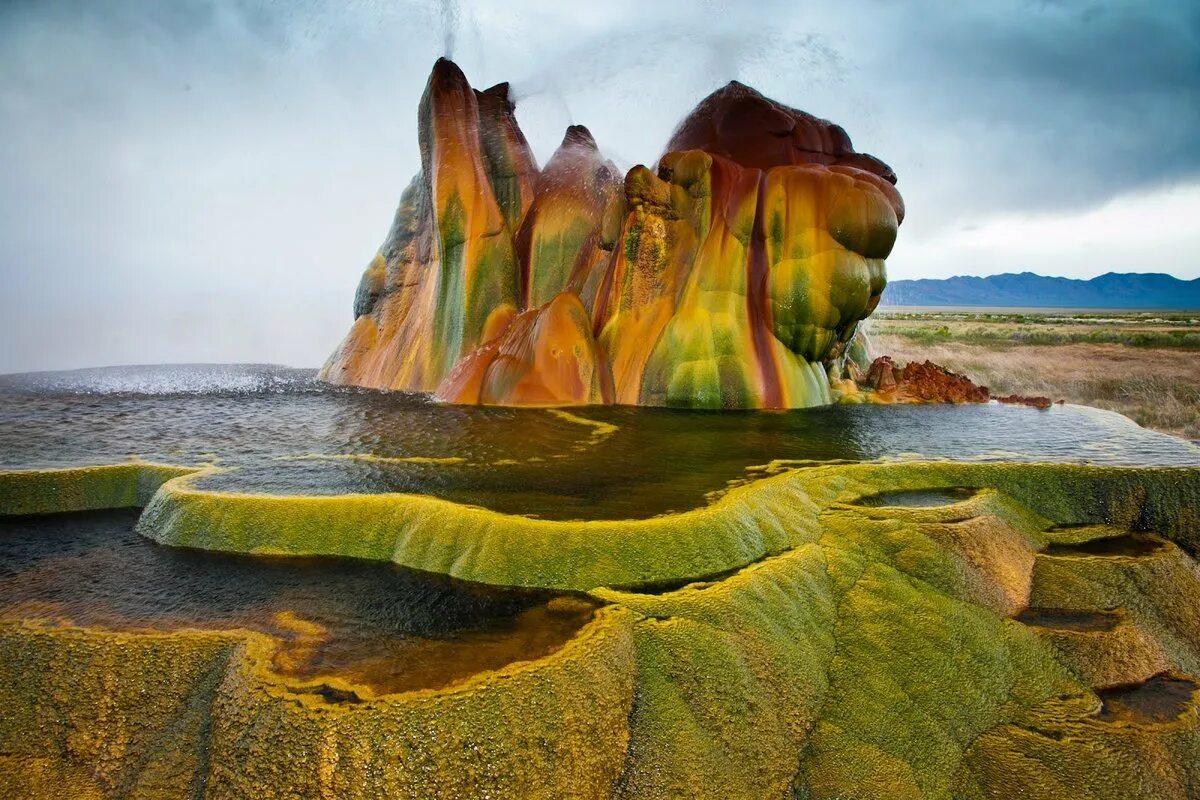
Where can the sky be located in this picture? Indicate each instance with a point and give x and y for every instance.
(204, 180)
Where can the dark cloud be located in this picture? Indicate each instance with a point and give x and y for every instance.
(246, 155)
(1088, 99)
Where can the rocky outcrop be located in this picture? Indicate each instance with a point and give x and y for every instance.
(731, 276)
(1037, 401)
(886, 630)
(926, 382)
(446, 278)
(545, 356)
(566, 240)
(920, 383)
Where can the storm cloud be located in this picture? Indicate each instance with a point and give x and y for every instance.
(202, 180)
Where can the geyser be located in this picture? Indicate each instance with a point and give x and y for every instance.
(617, 604)
(733, 276)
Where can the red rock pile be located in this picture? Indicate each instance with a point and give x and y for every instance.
(1020, 399)
(931, 383)
(921, 383)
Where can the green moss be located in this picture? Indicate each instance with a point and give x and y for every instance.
(731, 678)
(632, 237)
(134, 709)
(370, 287)
(874, 651)
(480, 545)
(450, 313)
(177, 715)
(493, 285)
(555, 253)
(47, 491)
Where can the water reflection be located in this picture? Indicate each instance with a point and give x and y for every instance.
(374, 624)
(289, 434)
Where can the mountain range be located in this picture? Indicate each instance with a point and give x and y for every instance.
(1027, 290)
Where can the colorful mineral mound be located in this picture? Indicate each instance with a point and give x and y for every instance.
(733, 276)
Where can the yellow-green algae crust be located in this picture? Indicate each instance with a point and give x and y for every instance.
(485, 546)
(200, 714)
(746, 524)
(48, 491)
(855, 667)
(875, 655)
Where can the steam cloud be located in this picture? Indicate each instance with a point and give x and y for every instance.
(450, 16)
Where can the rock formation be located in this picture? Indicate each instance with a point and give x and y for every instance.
(915, 382)
(732, 276)
(920, 383)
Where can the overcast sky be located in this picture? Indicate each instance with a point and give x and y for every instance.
(203, 180)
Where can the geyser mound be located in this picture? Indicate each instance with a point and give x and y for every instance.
(733, 276)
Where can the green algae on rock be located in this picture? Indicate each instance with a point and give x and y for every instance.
(176, 715)
(870, 650)
(745, 524)
(49, 491)
(481, 545)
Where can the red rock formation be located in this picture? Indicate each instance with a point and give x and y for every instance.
(920, 383)
(739, 123)
(509, 162)
(929, 383)
(566, 241)
(447, 273)
(1024, 400)
(546, 356)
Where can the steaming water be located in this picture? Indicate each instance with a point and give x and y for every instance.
(285, 432)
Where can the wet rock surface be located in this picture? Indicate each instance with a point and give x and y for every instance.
(1132, 545)
(844, 631)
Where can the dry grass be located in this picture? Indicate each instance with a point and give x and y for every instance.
(1157, 388)
(1157, 331)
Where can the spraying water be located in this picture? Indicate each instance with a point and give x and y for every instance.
(450, 16)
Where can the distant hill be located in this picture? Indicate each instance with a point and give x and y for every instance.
(1027, 290)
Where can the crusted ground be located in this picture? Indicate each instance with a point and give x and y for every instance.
(914, 630)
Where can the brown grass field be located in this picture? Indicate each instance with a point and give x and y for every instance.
(1146, 366)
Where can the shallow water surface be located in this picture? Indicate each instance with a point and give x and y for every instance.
(285, 432)
(919, 498)
(1161, 698)
(1065, 619)
(374, 624)
(1130, 545)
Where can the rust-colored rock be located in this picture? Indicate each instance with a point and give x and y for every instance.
(926, 383)
(920, 383)
(739, 123)
(1024, 400)
(566, 240)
